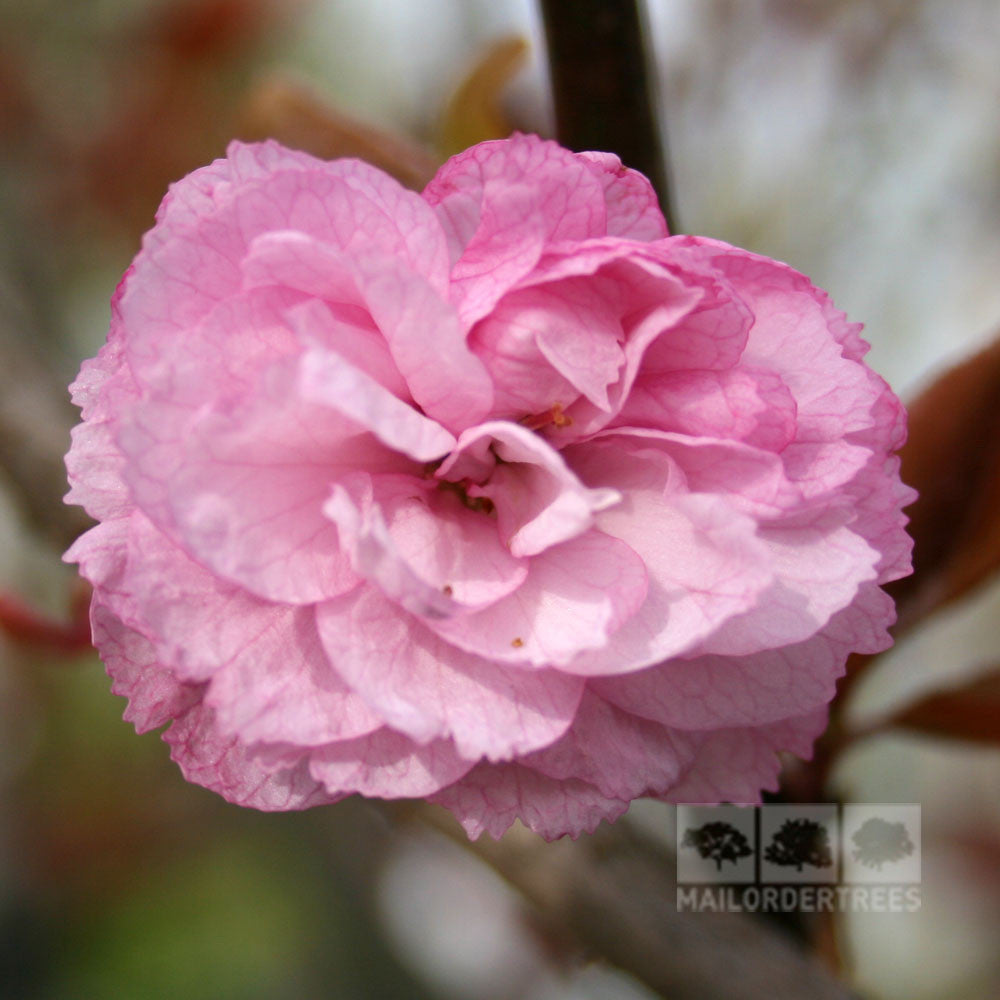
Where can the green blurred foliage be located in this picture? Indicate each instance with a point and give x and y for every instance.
(133, 884)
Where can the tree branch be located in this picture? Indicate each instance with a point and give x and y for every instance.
(602, 88)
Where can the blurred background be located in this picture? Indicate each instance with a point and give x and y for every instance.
(859, 140)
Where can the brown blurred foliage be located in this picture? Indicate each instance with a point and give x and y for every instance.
(475, 112)
(279, 108)
(952, 458)
(968, 712)
(179, 108)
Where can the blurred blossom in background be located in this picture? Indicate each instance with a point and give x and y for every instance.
(856, 139)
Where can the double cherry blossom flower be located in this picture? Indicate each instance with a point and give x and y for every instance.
(495, 495)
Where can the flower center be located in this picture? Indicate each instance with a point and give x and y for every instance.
(483, 505)
(554, 416)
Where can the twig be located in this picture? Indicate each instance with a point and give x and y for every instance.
(25, 625)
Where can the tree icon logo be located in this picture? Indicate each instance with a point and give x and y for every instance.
(800, 842)
(878, 842)
(717, 841)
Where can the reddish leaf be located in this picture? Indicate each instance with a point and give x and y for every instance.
(970, 712)
(953, 459)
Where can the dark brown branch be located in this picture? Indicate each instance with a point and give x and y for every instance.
(602, 87)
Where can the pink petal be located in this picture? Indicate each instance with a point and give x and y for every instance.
(468, 191)
(723, 691)
(712, 778)
(428, 689)
(711, 336)
(709, 692)
(94, 464)
(817, 557)
(291, 260)
(500, 202)
(839, 401)
(226, 454)
(455, 549)
(386, 765)
(877, 497)
(245, 493)
(190, 260)
(281, 688)
(350, 205)
(101, 552)
(490, 798)
(790, 336)
(195, 195)
(177, 279)
(186, 461)
(705, 566)
(818, 569)
(328, 379)
(752, 481)
(633, 209)
(95, 468)
(744, 404)
(225, 766)
(420, 545)
(576, 595)
(154, 695)
(544, 346)
(635, 294)
(222, 362)
(620, 754)
(417, 325)
(539, 501)
(822, 468)
(270, 679)
(639, 294)
(537, 509)
(364, 535)
(446, 379)
(88, 389)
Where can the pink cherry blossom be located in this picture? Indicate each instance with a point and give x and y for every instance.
(495, 495)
